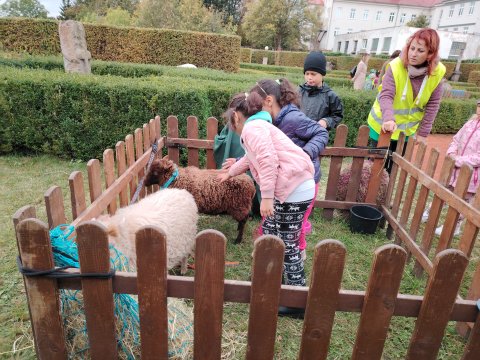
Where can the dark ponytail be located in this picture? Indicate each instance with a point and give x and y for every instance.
(282, 90)
(246, 103)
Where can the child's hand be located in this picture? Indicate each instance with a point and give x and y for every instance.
(322, 123)
(227, 164)
(224, 176)
(266, 207)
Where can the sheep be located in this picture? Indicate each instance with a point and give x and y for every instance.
(344, 179)
(172, 210)
(233, 197)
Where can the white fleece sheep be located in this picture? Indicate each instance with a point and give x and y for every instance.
(172, 210)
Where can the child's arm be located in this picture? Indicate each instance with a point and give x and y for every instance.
(239, 167)
(453, 148)
(315, 135)
(335, 107)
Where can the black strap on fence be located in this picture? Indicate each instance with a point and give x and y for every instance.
(57, 273)
(140, 184)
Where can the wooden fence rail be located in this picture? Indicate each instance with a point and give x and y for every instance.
(209, 290)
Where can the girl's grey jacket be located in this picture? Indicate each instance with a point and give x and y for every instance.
(304, 132)
(321, 103)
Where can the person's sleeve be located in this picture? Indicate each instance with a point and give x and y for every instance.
(431, 110)
(336, 111)
(470, 159)
(239, 167)
(453, 148)
(315, 135)
(260, 143)
(386, 96)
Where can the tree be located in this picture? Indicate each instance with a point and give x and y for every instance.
(281, 23)
(23, 8)
(68, 11)
(419, 22)
(232, 9)
(181, 15)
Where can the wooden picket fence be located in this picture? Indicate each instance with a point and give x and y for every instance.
(210, 290)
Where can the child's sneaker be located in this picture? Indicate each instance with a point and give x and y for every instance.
(425, 215)
(303, 254)
(308, 228)
(438, 230)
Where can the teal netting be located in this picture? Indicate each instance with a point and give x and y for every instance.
(180, 329)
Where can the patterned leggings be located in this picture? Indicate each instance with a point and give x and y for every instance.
(286, 223)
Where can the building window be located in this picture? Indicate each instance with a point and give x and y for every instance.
(441, 14)
(355, 45)
(386, 45)
(346, 47)
(365, 15)
(450, 12)
(349, 31)
(471, 9)
(352, 13)
(364, 44)
(446, 29)
(402, 18)
(336, 31)
(460, 9)
(379, 16)
(339, 13)
(339, 46)
(374, 45)
(455, 29)
(413, 17)
(456, 50)
(391, 17)
(465, 29)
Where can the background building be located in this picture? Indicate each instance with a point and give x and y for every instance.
(380, 26)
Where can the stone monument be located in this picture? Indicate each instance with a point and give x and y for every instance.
(456, 73)
(76, 57)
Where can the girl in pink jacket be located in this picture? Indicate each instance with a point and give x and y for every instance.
(465, 149)
(283, 171)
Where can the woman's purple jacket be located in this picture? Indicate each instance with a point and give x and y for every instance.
(304, 132)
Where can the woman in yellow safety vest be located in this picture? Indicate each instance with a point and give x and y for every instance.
(411, 90)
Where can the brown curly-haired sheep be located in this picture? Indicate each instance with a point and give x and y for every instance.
(344, 179)
(233, 196)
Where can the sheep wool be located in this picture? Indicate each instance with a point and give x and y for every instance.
(233, 197)
(172, 210)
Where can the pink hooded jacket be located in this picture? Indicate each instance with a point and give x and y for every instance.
(465, 149)
(276, 163)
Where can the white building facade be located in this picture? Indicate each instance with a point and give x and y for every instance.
(380, 26)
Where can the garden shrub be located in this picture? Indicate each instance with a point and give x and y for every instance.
(474, 78)
(245, 55)
(136, 45)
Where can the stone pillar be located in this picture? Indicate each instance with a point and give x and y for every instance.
(456, 73)
(76, 57)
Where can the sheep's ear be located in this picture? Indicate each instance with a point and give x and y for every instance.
(165, 157)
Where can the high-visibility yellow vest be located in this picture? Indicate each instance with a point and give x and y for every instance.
(408, 111)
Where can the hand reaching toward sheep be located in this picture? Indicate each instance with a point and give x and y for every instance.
(227, 164)
(223, 176)
(266, 207)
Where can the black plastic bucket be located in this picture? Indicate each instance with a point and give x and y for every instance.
(364, 219)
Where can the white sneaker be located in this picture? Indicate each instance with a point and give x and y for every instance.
(425, 215)
(438, 230)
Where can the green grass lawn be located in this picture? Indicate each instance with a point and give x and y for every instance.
(23, 180)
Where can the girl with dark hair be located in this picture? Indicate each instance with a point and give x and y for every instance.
(283, 171)
(281, 100)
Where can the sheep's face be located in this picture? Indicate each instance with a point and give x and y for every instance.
(160, 171)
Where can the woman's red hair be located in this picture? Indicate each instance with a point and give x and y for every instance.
(432, 43)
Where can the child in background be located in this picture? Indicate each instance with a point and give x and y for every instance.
(318, 101)
(283, 171)
(280, 99)
(464, 149)
(369, 81)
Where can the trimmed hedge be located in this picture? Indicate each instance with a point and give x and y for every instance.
(136, 45)
(474, 78)
(245, 55)
(77, 116)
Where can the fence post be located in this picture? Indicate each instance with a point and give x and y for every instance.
(212, 131)
(42, 292)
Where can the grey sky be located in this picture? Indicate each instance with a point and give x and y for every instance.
(53, 6)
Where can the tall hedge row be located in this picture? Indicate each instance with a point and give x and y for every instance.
(474, 78)
(137, 45)
(77, 116)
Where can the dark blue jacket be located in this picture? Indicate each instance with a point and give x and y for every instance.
(304, 132)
